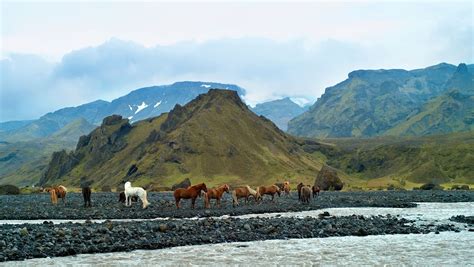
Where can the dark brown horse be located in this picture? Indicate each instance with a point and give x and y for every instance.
(315, 190)
(57, 192)
(122, 197)
(86, 193)
(305, 194)
(300, 185)
(191, 192)
(269, 190)
(215, 193)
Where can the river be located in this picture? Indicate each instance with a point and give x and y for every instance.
(446, 248)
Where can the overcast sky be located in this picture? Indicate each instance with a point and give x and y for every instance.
(55, 54)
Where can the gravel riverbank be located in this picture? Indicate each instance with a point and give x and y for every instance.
(106, 205)
(18, 242)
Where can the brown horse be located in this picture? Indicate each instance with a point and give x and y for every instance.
(300, 185)
(269, 190)
(215, 193)
(86, 193)
(191, 192)
(286, 188)
(315, 190)
(305, 194)
(244, 192)
(57, 192)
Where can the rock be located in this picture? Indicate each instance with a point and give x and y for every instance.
(361, 232)
(23, 231)
(247, 227)
(163, 227)
(328, 179)
(183, 184)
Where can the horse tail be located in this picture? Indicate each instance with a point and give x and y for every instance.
(54, 197)
(145, 199)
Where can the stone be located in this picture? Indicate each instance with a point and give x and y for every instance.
(327, 179)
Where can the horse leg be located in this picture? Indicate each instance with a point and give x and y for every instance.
(193, 200)
(218, 202)
(177, 202)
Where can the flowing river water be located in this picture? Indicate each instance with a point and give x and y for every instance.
(446, 248)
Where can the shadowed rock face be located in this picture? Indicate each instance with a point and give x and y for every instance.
(327, 179)
(183, 184)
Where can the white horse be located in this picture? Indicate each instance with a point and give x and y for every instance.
(135, 191)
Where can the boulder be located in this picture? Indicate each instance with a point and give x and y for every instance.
(112, 119)
(328, 179)
(431, 186)
(9, 190)
(183, 184)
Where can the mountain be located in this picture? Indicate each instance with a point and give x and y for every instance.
(372, 102)
(279, 111)
(214, 138)
(405, 161)
(138, 104)
(23, 162)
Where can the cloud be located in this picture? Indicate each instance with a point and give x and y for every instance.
(267, 69)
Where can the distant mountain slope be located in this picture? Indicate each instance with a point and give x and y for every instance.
(214, 138)
(279, 111)
(22, 163)
(139, 104)
(371, 102)
(453, 111)
(402, 161)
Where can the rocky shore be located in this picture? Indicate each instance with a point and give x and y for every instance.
(18, 242)
(106, 205)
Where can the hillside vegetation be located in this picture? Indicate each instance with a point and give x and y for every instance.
(434, 100)
(404, 161)
(214, 139)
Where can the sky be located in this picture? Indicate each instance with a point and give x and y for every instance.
(56, 54)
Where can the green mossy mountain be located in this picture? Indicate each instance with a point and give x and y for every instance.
(392, 102)
(23, 162)
(279, 111)
(380, 161)
(214, 138)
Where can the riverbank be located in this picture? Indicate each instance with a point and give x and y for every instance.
(106, 205)
(18, 242)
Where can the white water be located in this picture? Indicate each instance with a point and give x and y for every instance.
(424, 212)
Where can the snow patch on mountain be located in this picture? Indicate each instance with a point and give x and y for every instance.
(130, 107)
(157, 104)
(141, 107)
(205, 85)
(130, 118)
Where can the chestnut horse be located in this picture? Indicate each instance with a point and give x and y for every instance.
(269, 190)
(305, 194)
(57, 192)
(191, 192)
(286, 188)
(300, 185)
(215, 193)
(244, 192)
(316, 190)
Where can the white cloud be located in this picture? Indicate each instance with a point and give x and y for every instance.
(272, 50)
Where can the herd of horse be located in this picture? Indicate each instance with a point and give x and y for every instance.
(132, 194)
